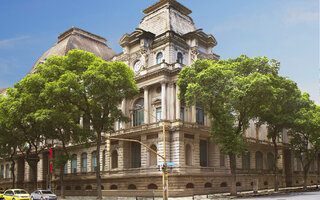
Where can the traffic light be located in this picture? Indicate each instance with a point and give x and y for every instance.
(164, 167)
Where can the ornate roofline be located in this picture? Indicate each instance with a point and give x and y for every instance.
(75, 30)
(172, 3)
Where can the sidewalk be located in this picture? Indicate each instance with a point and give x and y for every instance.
(220, 196)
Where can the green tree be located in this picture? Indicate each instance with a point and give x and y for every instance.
(94, 87)
(25, 120)
(277, 110)
(230, 93)
(305, 134)
(8, 142)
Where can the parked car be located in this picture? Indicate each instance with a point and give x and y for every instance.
(16, 194)
(1, 194)
(43, 195)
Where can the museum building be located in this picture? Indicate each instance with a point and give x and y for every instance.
(165, 41)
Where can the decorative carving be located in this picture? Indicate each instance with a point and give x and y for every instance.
(194, 53)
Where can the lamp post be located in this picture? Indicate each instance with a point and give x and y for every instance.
(164, 167)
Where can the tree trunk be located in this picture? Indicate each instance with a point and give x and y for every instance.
(61, 183)
(233, 191)
(34, 166)
(305, 177)
(13, 174)
(275, 167)
(98, 176)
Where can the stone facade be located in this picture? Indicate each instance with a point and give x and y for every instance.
(165, 41)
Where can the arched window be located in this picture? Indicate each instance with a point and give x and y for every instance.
(208, 185)
(246, 160)
(114, 159)
(259, 160)
(84, 162)
(200, 114)
(190, 185)
(188, 154)
(222, 159)
(104, 160)
(132, 187)
(7, 170)
(113, 187)
(138, 115)
(152, 187)
(238, 184)
(159, 57)
(270, 158)
(94, 161)
(153, 156)
(74, 163)
(88, 187)
(224, 184)
(179, 58)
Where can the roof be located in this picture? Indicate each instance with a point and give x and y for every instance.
(172, 3)
(76, 38)
(3, 91)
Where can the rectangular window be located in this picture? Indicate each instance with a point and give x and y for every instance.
(182, 114)
(203, 153)
(246, 160)
(138, 117)
(158, 114)
(298, 164)
(135, 155)
(120, 125)
(200, 116)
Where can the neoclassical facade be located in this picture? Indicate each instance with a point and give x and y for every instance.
(165, 41)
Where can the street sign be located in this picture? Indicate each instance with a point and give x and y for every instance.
(170, 164)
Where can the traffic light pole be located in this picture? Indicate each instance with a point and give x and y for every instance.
(164, 167)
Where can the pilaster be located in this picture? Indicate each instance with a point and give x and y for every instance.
(163, 101)
(144, 152)
(146, 105)
(178, 104)
(171, 100)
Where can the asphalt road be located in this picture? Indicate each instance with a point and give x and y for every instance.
(290, 196)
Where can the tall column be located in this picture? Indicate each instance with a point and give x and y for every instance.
(193, 114)
(146, 105)
(163, 101)
(178, 104)
(172, 98)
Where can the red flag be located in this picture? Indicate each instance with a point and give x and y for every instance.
(51, 157)
(51, 153)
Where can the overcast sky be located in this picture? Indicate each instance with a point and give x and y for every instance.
(286, 30)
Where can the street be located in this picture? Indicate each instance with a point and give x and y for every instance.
(290, 196)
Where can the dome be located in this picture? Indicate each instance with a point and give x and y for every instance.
(76, 38)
